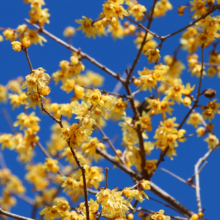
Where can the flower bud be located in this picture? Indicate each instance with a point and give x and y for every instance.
(26, 43)
(16, 46)
(181, 10)
(210, 93)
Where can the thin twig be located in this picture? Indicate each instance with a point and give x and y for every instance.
(110, 143)
(9, 214)
(59, 121)
(201, 168)
(81, 167)
(2, 161)
(106, 177)
(198, 196)
(43, 149)
(142, 44)
(177, 177)
(192, 23)
(165, 204)
(83, 55)
(201, 75)
(28, 59)
(141, 26)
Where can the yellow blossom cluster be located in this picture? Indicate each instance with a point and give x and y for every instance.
(60, 208)
(74, 183)
(21, 32)
(167, 136)
(23, 144)
(37, 13)
(149, 78)
(37, 87)
(111, 12)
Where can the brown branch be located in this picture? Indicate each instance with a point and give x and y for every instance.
(144, 28)
(106, 177)
(9, 214)
(83, 55)
(43, 149)
(192, 23)
(177, 177)
(142, 44)
(201, 75)
(198, 197)
(139, 132)
(59, 121)
(109, 142)
(28, 59)
(165, 204)
(82, 168)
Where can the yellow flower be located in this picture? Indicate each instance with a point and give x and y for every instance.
(212, 140)
(26, 43)
(208, 113)
(201, 131)
(116, 29)
(69, 31)
(194, 119)
(118, 109)
(6, 141)
(188, 89)
(145, 184)
(10, 34)
(90, 148)
(153, 55)
(160, 216)
(51, 165)
(136, 10)
(16, 46)
(150, 166)
(94, 78)
(113, 204)
(199, 7)
(50, 212)
(148, 147)
(175, 93)
(86, 26)
(34, 37)
(145, 122)
(34, 99)
(17, 100)
(62, 206)
(1, 38)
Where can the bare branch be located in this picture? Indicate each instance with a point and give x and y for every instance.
(177, 177)
(83, 55)
(28, 59)
(110, 143)
(9, 214)
(198, 197)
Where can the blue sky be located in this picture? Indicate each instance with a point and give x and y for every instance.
(116, 55)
